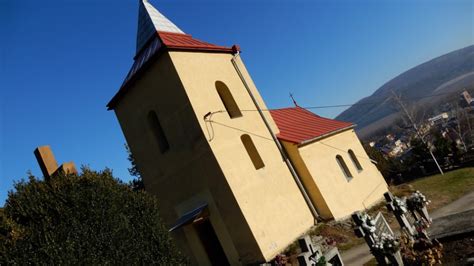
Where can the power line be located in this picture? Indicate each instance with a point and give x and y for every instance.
(210, 129)
(238, 129)
(342, 150)
(211, 137)
(337, 105)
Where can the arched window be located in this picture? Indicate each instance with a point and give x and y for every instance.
(344, 167)
(227, 99)
(252, 151)
(355, 160)
(158, 132)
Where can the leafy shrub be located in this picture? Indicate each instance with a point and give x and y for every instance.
(91, 218)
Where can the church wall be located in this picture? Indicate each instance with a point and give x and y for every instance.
(268, 197)
(187, 174)
(313, 191)
(343, 197)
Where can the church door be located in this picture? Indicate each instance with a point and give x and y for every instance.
(210, 242)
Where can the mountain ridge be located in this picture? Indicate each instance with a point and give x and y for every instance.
(443, 74)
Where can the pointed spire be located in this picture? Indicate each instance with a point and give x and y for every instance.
(150, 21)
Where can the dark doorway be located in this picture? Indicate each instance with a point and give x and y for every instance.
(211, 243)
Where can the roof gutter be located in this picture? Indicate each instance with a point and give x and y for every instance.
(295, 175)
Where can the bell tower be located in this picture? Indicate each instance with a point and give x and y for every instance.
(202, 149)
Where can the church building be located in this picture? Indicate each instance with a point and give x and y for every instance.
(236, 183)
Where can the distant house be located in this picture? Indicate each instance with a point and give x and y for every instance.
(390, 137)
(230, 191)
(467, 99)
(438, 119)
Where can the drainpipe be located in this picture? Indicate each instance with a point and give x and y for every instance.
(277, 142)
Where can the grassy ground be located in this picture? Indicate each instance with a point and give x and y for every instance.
(441, 190)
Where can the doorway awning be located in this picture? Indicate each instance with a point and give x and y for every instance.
(195, 215)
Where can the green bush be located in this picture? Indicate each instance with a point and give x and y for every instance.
(91, 218)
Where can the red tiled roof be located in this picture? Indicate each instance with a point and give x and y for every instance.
(173, 40)
(169, 41)
(299, 125)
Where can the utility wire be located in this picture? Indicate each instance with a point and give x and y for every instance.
(238, 129)
(342, 150)
(269, 139)
(338, 105)
(210, 129)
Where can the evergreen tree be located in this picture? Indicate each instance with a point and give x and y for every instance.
(389, 168)
(137, 182)
(90, 219)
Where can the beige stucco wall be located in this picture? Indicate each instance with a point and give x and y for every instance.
(188, 169)
(255, 213)
(268, 198)
(307, 179)
(341, 197)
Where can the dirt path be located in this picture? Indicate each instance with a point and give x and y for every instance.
(361, 254)
(357, 255)
(464, 203)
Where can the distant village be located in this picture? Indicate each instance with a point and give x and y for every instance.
(446, 130)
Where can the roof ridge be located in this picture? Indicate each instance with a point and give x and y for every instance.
(283, 108)
(173, 33)
(299, 125)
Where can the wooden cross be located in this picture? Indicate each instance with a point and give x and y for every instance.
(45, 157)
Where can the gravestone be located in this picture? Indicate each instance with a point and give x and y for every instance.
(379, 237)
(411, 213)
(312, 254)
(382, 226)
(398, 207)
(417, 205)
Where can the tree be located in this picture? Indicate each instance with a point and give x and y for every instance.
(442, 145)
(90, 219)
(137, 183)
(388, 168)
(419, 150)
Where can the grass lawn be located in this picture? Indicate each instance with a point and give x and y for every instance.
(440, 189)
(443, 189)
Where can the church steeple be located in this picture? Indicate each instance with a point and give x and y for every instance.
(151, 21)
(157, 33)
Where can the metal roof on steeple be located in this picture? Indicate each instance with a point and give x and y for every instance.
(150, 21)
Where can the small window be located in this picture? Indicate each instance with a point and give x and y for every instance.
(355, 160)
(344, 167)
(158, 132)
(252, 151)
(228, 101)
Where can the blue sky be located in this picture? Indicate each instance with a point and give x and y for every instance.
(61, 61)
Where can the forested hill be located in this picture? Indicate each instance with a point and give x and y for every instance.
(448, 73)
